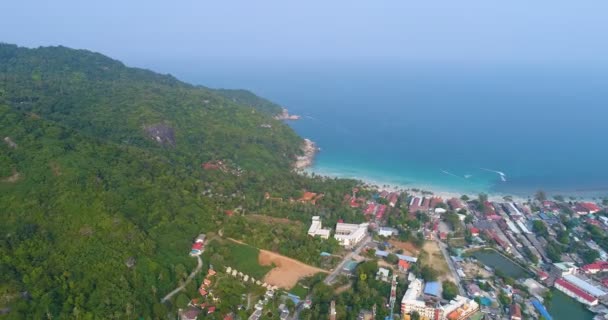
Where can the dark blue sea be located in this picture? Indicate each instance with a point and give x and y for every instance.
(442, 128)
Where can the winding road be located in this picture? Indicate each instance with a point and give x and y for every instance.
(190, 277)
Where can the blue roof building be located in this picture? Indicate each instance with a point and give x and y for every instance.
(432, 288)
(381, 253)
(541, 309)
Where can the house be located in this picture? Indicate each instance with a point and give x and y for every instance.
(392, 199)
(515, 312)
(189, 314)
(403, 265)
(455, 204)
(316, 229)
(349, 234)
(473, 289)
(388, 232)
(583, 208)
(382, 274)
(474, 232)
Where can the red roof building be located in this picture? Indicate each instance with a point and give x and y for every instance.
(455, 204)
(599, 266)
(435, 201)
(515, 312)
(229, 213)
(474, 231)
(370, 209)
(575, 290)
(197, 246)
(211, 310)
(403, 265)
(587, 207)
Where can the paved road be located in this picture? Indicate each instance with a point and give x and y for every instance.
(332, 276)
(190, 277)
(448, 259)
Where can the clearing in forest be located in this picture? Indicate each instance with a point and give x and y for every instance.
(286, 271)
(434, 258)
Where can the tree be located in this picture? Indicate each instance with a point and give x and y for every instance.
(428, 274)
(392, 258)
(559, 198)
(450, 290)
(590, 255)
(415, 315)
(540, 196)
(464, 198)
(539, 228)
(468, 219)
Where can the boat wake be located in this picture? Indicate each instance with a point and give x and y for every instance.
(502, 175)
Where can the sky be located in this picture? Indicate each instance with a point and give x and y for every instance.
(317, 31)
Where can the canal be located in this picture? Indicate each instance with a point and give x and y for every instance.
(563, 307)
(497, 261)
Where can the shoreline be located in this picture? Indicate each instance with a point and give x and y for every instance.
(414, 189)
(306, 161)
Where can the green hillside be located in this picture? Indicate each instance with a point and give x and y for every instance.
(101, 166)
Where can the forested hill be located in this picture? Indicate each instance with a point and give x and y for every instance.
(102, 98)
(101, 185)
(247, 98)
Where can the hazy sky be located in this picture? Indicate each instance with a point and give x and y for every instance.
(520, 31)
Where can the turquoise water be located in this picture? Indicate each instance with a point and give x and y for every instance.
(444, 128)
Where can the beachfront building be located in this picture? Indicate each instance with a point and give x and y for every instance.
(316, 228)
(598, 266)
(349, 234)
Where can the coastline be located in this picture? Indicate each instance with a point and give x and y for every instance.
(305, 161)
(413, 189)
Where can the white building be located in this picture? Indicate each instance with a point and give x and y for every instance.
(316, 228)
(388, 232)
(411, 303)
(350, 234)
(458, 309)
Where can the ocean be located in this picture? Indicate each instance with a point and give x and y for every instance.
(466, 129)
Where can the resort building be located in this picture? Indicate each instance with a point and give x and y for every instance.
(458, 309)
(350, 234)
(316, 228)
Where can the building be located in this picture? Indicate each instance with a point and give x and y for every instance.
(541, 309)
(410, 301)
(455, 204)
(583, 208)
(515, 312)
(432, 288)
(403, 265)
(563, 268)
(383, 274)
(349, 235)
(189, 314)
(316, 228)
(584, 285)
(388, 232)
(592, 268)
(575, 292)
(460, 308)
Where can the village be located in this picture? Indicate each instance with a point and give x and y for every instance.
(458, 258)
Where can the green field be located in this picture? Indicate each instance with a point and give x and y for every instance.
(241, 257)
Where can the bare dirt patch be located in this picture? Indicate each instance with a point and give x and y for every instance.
(13, 178)
(287, 271)
(407, 247)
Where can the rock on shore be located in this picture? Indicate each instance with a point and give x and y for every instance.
(310, 149)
